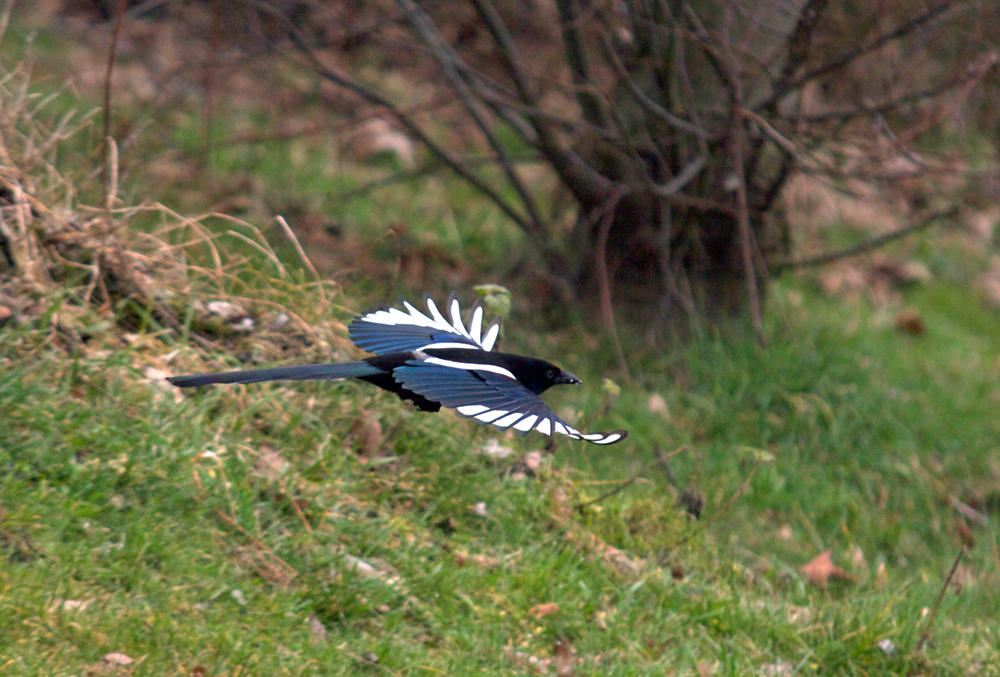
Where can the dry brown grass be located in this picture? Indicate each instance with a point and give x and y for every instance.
(211, 276)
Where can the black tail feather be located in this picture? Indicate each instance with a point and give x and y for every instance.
(330, 372)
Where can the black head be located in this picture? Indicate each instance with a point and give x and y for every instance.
(554, 376)
(536, 375)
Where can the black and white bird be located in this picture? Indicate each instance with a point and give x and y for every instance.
(434, 362)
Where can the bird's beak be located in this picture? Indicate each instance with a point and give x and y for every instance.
(566, 378)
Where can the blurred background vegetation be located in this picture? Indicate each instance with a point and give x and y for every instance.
(663, 160)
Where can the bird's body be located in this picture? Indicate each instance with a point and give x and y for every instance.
(433, 363)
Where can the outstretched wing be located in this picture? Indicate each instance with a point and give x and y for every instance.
(397, 331)
(490, 396)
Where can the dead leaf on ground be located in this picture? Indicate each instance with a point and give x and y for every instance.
(821, 569)
(858, 561)
(486, 561)
(989, 282)
(369, 434)
(527, 466)
(270, 466)
(114, 664)
(909, 321)
(525, 660)
(254, 556)
(564, 659)
(543, 610)
(317, 629)
(561, 510)
(612, 555)
(68, 605)
(707, 669)
(658, 405)
(881, 575)
(494, 449)
(799, 615)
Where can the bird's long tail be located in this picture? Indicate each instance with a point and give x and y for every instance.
(330, 372)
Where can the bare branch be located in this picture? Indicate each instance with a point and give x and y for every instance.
(587, 184)
(428, 167)
(376, 99)
(799, 42)
(683, 178)
(867, 245)
(736, 140)
(447, 59)
(576, 58)
(643, 98)
(842, 60)
(607, 216)
(974, 71)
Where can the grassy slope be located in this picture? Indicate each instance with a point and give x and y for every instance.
(118, 496)
(221, 530)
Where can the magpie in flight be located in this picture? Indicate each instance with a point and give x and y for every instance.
(434, 362)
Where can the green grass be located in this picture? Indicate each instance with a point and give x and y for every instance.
(116, 496)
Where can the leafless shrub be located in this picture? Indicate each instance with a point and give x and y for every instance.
(674, 126)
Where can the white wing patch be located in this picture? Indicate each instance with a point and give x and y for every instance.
(405, 329)
(490, 416)
(491, 336)
(545, 423)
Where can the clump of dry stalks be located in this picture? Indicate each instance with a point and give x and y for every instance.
(210, 277)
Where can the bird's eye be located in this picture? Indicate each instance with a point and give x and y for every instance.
(551, 374)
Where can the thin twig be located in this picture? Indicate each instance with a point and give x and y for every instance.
(112, 53)
(786, 145)
(867, 245)
(930, 621)
(660, 459)
(576, 59)
(604, 282)
(427, 168)
(447, 60)
(257, 542)
(586, 183)
(858, 51)
(736, 140)
(406, 121)
(703, 524)
(643, 98)
(112, 182)
(798, 45)
(208, 84)
(302, 255)
(621, 487)
(8, 6)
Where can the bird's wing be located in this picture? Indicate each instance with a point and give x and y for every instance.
(490, 394)
(398, 331)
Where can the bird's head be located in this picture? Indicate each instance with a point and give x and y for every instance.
(537, 375)
(554, 376)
